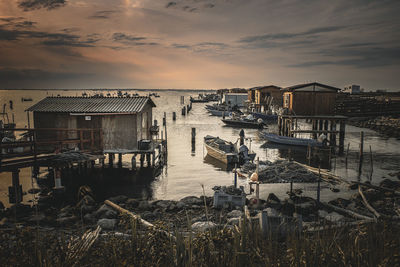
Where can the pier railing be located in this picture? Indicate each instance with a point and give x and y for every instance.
(20, 142)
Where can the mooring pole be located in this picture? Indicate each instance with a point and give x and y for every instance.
(16, 186)
(174, 116)
(235, 176)
(361, 156)
(119, 160)
(193, 139)
(319, 184)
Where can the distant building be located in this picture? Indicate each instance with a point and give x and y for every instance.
(123, 120)
(235, 99)
(352, 89)
(310, 99)
(263, 96)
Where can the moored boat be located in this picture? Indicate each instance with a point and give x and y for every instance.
(264, 116)
(245, 123)
(287, 140)
(221, 150)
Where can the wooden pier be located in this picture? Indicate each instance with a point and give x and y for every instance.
(333, 127)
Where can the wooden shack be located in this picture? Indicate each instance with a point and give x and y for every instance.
(265, 96)
(313, 99)
(123, 120)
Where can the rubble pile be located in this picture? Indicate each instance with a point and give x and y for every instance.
(280, 171)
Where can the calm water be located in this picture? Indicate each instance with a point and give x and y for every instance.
(187, 171)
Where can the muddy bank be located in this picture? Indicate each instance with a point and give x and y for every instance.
(388, 126)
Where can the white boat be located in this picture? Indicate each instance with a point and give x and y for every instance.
(286, 140)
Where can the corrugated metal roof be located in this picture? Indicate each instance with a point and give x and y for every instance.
(92, 104)
(294, 87)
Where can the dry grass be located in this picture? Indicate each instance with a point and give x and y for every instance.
(375, 244)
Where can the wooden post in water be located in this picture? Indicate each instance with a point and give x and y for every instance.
(372, 162)
(119, 160)
(16, 186)
(347, 153)
(193, 139)
(182, 100)
(184, 111)
(174, 116)
(342, 132)
(361, 156)
(111, 159)
(319, 184)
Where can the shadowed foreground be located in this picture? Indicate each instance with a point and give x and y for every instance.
(375, 244)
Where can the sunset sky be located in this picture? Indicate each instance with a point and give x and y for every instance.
(198, 44)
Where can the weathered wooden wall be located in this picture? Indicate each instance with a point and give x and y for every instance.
(312, 103)
(119, 132)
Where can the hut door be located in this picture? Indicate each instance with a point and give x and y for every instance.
(144, 126)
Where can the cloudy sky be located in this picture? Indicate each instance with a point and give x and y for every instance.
(198, 43)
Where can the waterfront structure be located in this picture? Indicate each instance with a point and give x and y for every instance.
(311, 99)
(235, 99)
(123, 120)
(262, 97)
(352, 89)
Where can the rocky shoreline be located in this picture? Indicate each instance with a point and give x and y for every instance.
(389, 126)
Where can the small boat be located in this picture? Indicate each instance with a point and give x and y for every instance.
(245, 123)
(264, 116)
(227, 152)
(23, 99)
(221, 150)
(287, 140)
(198, 100)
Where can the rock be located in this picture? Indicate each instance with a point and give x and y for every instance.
(203, 226)
(132, 202)
(107, 224)
(67, 220)
(180, 205)
(171, 207)
(87, 208)
(103, 210)
(148, 215)
(192, 200)
(162, 203)
(201, 218)
(390, 184)
(89, 218)
(234, 214)
(144, 205)
(109, 214)
(118, 199)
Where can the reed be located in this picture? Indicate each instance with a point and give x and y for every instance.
(374, 244)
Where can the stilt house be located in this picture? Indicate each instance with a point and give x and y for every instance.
(311, 99)
(121, 121)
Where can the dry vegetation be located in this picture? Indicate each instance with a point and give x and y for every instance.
(375, 244)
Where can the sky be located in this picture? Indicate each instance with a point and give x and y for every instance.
(198, 44)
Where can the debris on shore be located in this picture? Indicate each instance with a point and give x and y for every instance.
(280, 171)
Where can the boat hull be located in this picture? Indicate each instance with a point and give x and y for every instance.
(227, 158)
(243, 124)
(286, 140)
